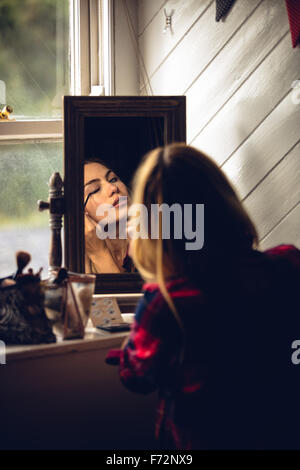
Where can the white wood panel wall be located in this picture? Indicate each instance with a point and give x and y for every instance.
(237, 75)
(126, 64)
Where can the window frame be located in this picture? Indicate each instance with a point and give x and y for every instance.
(91, 69)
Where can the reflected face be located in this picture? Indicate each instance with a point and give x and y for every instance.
(101, 186)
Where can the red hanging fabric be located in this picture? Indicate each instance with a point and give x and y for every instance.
(222, 8)
(293, 9)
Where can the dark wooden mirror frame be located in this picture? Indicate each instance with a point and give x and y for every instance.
(76, 110)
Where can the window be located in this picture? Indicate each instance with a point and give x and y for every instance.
(24, 172)
(34, 56)
(49, 48)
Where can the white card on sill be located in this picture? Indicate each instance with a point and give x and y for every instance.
(105, 311)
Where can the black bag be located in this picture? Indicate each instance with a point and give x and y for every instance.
(22, 315)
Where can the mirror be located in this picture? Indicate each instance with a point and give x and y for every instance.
(105, 140)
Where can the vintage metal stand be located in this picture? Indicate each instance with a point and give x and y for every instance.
(56, 208)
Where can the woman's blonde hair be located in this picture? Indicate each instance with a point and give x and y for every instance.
(182, 174)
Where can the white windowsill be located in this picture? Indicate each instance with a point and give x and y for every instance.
(31, 130)
(94, 339)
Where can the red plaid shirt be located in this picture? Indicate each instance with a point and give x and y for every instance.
(217, 395)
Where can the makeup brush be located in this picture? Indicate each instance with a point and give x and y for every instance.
(61, 275)
(23, 258)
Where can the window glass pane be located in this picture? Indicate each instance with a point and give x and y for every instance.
(34, 56)
(25, 170)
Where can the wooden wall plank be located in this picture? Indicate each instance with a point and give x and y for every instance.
(251, 103)
(265, 147)
(273, 198)
(198, 47)
(147, 11)
(237, 60)
(237, 76)
(155, 45)
(286, 232)
(126, 75)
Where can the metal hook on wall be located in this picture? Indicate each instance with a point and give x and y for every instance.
(168, 21)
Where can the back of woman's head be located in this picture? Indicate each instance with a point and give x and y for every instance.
(180, 174)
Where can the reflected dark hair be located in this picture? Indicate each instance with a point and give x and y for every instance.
(115, 168)
(109, 167)
(96, 160)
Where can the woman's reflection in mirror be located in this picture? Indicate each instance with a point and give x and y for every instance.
(103, 186)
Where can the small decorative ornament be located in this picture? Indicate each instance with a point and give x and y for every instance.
(5, 113)
(293, 10)
(168, 21)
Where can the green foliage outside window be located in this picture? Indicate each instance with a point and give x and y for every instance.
(34, 50)
(24, 174)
